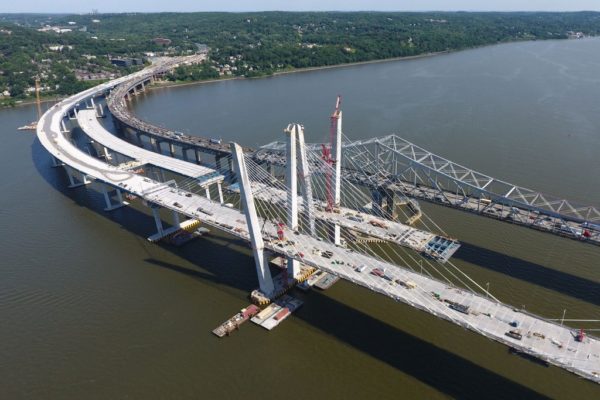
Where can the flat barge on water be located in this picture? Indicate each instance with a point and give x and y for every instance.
(234, 322)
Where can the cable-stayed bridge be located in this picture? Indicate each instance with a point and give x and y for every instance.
(305, 218)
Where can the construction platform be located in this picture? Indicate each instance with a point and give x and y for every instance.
(234, 322)
(277, 312)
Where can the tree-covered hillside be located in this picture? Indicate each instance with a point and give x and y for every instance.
(249, 44)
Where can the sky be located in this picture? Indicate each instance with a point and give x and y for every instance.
(104, 6)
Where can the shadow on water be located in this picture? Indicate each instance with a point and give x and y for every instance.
(562, 282)
(436, 367)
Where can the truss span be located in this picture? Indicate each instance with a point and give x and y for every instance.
(395, 164)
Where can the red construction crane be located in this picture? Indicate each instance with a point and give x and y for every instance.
(280, 231)
(326, 152)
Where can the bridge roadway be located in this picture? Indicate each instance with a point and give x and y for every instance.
(394, 232)
(93, 128)
(516, 213)
(117, 105)
(543, 339)
(382, 229)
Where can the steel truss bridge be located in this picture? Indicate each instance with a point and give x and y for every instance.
(381, 164)
(394, 165)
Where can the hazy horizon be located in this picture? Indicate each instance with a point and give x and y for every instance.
(154, 6)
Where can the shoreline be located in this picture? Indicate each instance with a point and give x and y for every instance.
(167, 84)
(307, 69)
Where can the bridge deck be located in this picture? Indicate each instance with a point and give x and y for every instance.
(390, 231)
(557, 347)
(516, 213)
(93, 128)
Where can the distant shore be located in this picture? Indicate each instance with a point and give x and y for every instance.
(167, 84)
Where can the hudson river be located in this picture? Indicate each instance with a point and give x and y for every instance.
(90, 309)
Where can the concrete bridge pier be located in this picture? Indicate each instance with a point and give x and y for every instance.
(176, 221)
(184, 153)
(74, 182)
(157, 220)
(56, 162)
(197, 155)
(384, 203)
(91, 105)
(100, 111)
(155, 144)
(172, 149)
(72, 115)
(102, 151)
(306, 179)
(220, 189)
(291, 180)
(138, 138)
(265, 280)
(107, 198)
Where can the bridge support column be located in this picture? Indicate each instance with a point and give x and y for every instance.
(155, 144)
(384, 203)
(108, 201)
(138, 136)
(293, 267)
(220, 189)
(207, 188)
(92, 105)
(107, 155)
(172, 149)
(72, 115)
(56, 162)
(64, 127)
(176, 221)
(306, 179)
(197, 155)
(336, 183)
(100, 111)
(73, 183)
(157, 220)
(265, 280)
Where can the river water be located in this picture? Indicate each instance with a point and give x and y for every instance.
(90, 309)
